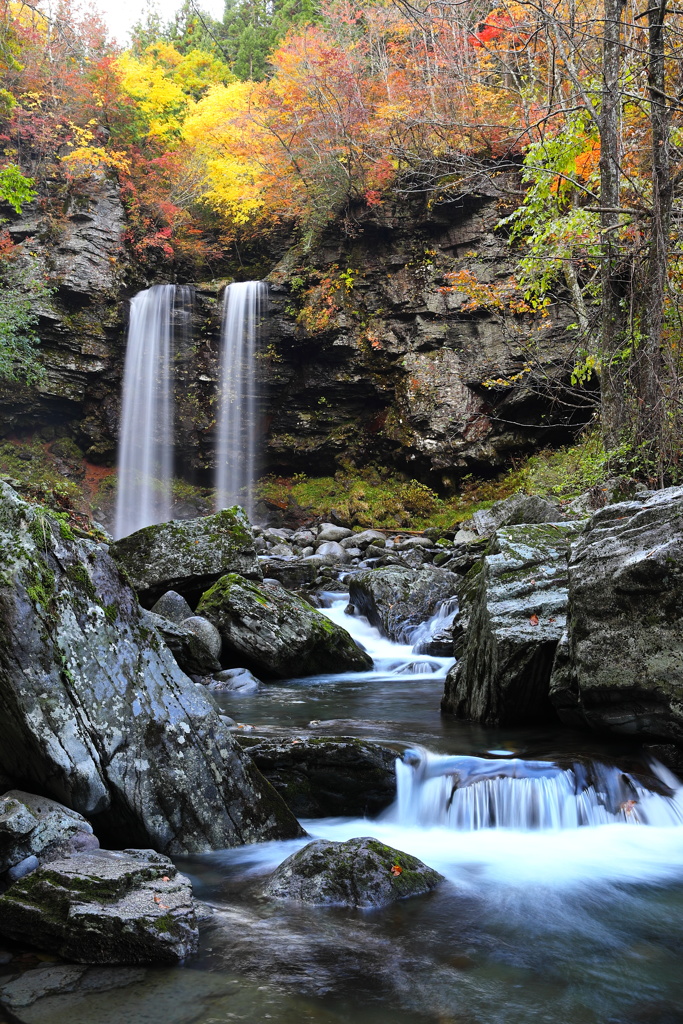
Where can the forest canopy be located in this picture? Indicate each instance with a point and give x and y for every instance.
(297, 114)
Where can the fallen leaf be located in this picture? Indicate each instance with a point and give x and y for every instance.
(397, 869)
(157, 900)
(551, 619)
(628, 806)
(165, 878)
(533, 619)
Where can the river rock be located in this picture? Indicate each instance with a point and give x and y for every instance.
(277, 633)
(173, 606)
(34, 827)
(397, 599)
(358, 873)
(95, 711)
(332, 552)
(188, 649)
(206, 633)
(187, 555)
(234, 680)
(325, 777)
(329, 533)
(513, 511)
(104, 908)
(513, 608)
(620, 666)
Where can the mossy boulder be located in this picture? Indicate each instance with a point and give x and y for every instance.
(358, 873)
(397, 599)
(95, 712)
(33, 826)
(104, 908)
(276, 633)
(513, 607)
(187, 555)
(619, 667)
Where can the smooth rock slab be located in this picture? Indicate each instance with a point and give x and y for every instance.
(277, 633)
(187, 555)
(358, 873)
(104, 908)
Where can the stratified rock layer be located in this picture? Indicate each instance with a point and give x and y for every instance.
(104, 908)
(95, 712)
(620, 666)
(358, 873)
(277, 633)
(512, 615)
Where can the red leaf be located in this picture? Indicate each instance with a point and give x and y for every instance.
(533, 619)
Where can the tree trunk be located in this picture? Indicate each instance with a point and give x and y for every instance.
(613, 377)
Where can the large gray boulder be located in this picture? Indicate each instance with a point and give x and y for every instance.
(104, 908)
(34, 827)
(516, 510)
(276, 633)
(187, 555)
(358, 873)
(192, 655)
(95, 712)
(324, 777)
(513, 607)
(396, 599)
(620, 665)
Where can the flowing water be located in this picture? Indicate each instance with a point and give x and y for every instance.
(563, 899)
(237, 421)
(145, 456)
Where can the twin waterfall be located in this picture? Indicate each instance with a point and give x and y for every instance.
(159, 318)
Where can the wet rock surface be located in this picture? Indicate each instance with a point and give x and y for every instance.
(33, 827)
(104, 907)
(277, 633)
(620, 665)
(513, 608)
(326, 777)
(187, 555)
(358, 873)
(396, 599)
(95, 712)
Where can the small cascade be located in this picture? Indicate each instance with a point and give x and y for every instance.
(470, 793)
(237, 420)
(145, 456)
(435, 635)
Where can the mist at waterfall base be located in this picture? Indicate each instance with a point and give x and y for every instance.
(159, 318)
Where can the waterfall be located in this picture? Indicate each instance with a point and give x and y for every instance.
(469, 793)
(145, 456)
(237, 420)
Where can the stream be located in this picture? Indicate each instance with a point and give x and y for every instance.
(563, 899)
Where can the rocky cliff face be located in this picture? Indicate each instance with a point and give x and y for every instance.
(372, 354)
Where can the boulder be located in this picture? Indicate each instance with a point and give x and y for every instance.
(234, 680)
(276, 633)
(332, 552)
(95, 712)
(188, 649)
(324, 777)
(329, 532)
(206, 633)
(173, 606)
(33, 827)
(514, 511)
(620, 665)
(187, 555)
(104, 908)
(358, 873)
(513, 607)
(293, 573)
(396, 599)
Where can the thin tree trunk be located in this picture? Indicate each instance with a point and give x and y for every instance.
(651, 404)
(612, 383)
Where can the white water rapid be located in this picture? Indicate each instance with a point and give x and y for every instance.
(145, 456)
(237, 420)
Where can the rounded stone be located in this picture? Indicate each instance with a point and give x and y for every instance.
(172, 606)
(206, 632)
(23, 868)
